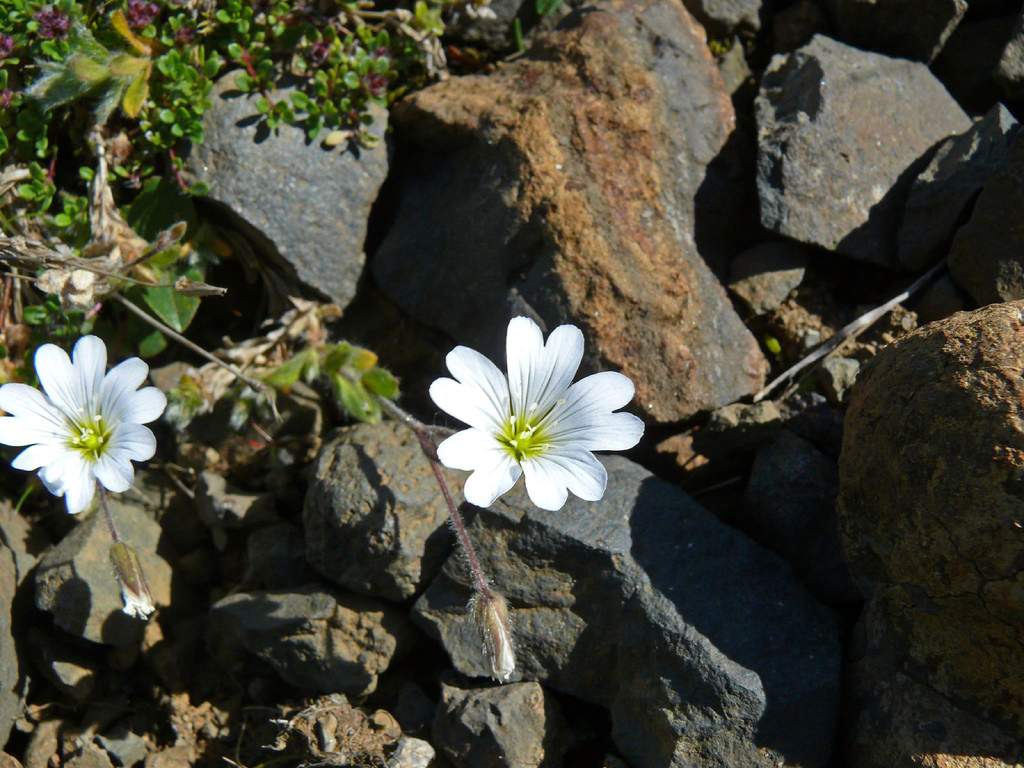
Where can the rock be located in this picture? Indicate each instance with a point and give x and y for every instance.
(89, 756)
(809, 415)
(276, 557)
(939, 300)
(1009, 74)
(724, 17)
(44, 744)
(725, 669)
(265, 177)
(314, 639)
(10, 698)
(221, 505)
(25, 541)
(796, 24)
(986, 258)
(968, 61)
(901, 721)
(75, 582)
(171, 757)
(790, 506)
(734, 69)
(508, 725)
(611, 230)
(126, 748)
(913, 29)
(740, 427)
(930, 506)
(837, 375)
(763, 276)
(414, 710)
(497, 33)
(943, 192)
(838, 130)
(374, 518)
(72, 673)
(411, 753)
(8, 761)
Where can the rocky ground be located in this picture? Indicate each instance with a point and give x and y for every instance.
(832, 575)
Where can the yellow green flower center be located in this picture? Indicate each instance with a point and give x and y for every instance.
(523, 438)
(90, 436)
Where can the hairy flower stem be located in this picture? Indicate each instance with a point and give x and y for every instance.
(108, 515)
(429, 449)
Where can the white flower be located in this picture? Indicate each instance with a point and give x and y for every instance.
(87, 427)
(535, 422)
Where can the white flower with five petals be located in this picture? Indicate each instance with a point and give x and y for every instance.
(88, 424)
(535, 422)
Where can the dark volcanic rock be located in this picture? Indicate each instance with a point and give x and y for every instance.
(795, 24)
(510, 725)
(276, 557)
(589, 181)
(374, 518)
(702, 645)
(969, 59)
(790, 506)
(307, 205)
(10, 700)
(723, 17)
(838, 129)
(942, 192)
(316, 640)
(914, 29)
(987, 256)
(763, 276)
(930, 515)
(75, 581)
(1009, 74)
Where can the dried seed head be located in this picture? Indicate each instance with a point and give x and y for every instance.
(138, 602)
(490, 612)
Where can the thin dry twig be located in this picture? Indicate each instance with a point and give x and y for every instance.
(850, 331)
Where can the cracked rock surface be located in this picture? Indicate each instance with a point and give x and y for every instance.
(931, 516)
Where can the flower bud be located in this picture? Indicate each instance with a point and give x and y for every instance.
(138, 603)
(490, 612)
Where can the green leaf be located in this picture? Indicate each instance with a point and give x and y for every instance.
(35, 314)
(355, 400)
(160, 204)
(136, 95)
(152, 344)
(288, 372)
(381, 382)
(172, 307)
(545, 7)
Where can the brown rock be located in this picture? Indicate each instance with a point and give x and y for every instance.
(932, 520)
(587, 181)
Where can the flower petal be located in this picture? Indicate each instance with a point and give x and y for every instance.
(120, 384)
(468, 449)
(546, 483)
(472, 369)
(584, 475)
(116, 473)
(26, 430)
(79, 486)
(36, 456)
(598, 432)
(36, 412)
(490, 481)
(131, 442)
(466, 403)
(539, 373)
(90, 361)
(60, 380)
(142, 407)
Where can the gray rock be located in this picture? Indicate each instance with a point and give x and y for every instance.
(305, 205)
(508, 725)
(987, 255)
(790, 506)
(222, 507)
(497, 34)
(72, 673)
(374, 517)
(25, 541)
(75, 582)
(837, 375)
(723, 17)
(413, 710)
(763, 276)
(940, 300)
(739, 427)
(314, 639)
(10, 699)
(943, 191)
(276, 557)
(1009, 74)
(411, 753)
(604, 607)
(969, 59)
(838, 131)
(125, 748)
(89, 756)
(914, 29)
(795, 24)
(500, 209)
